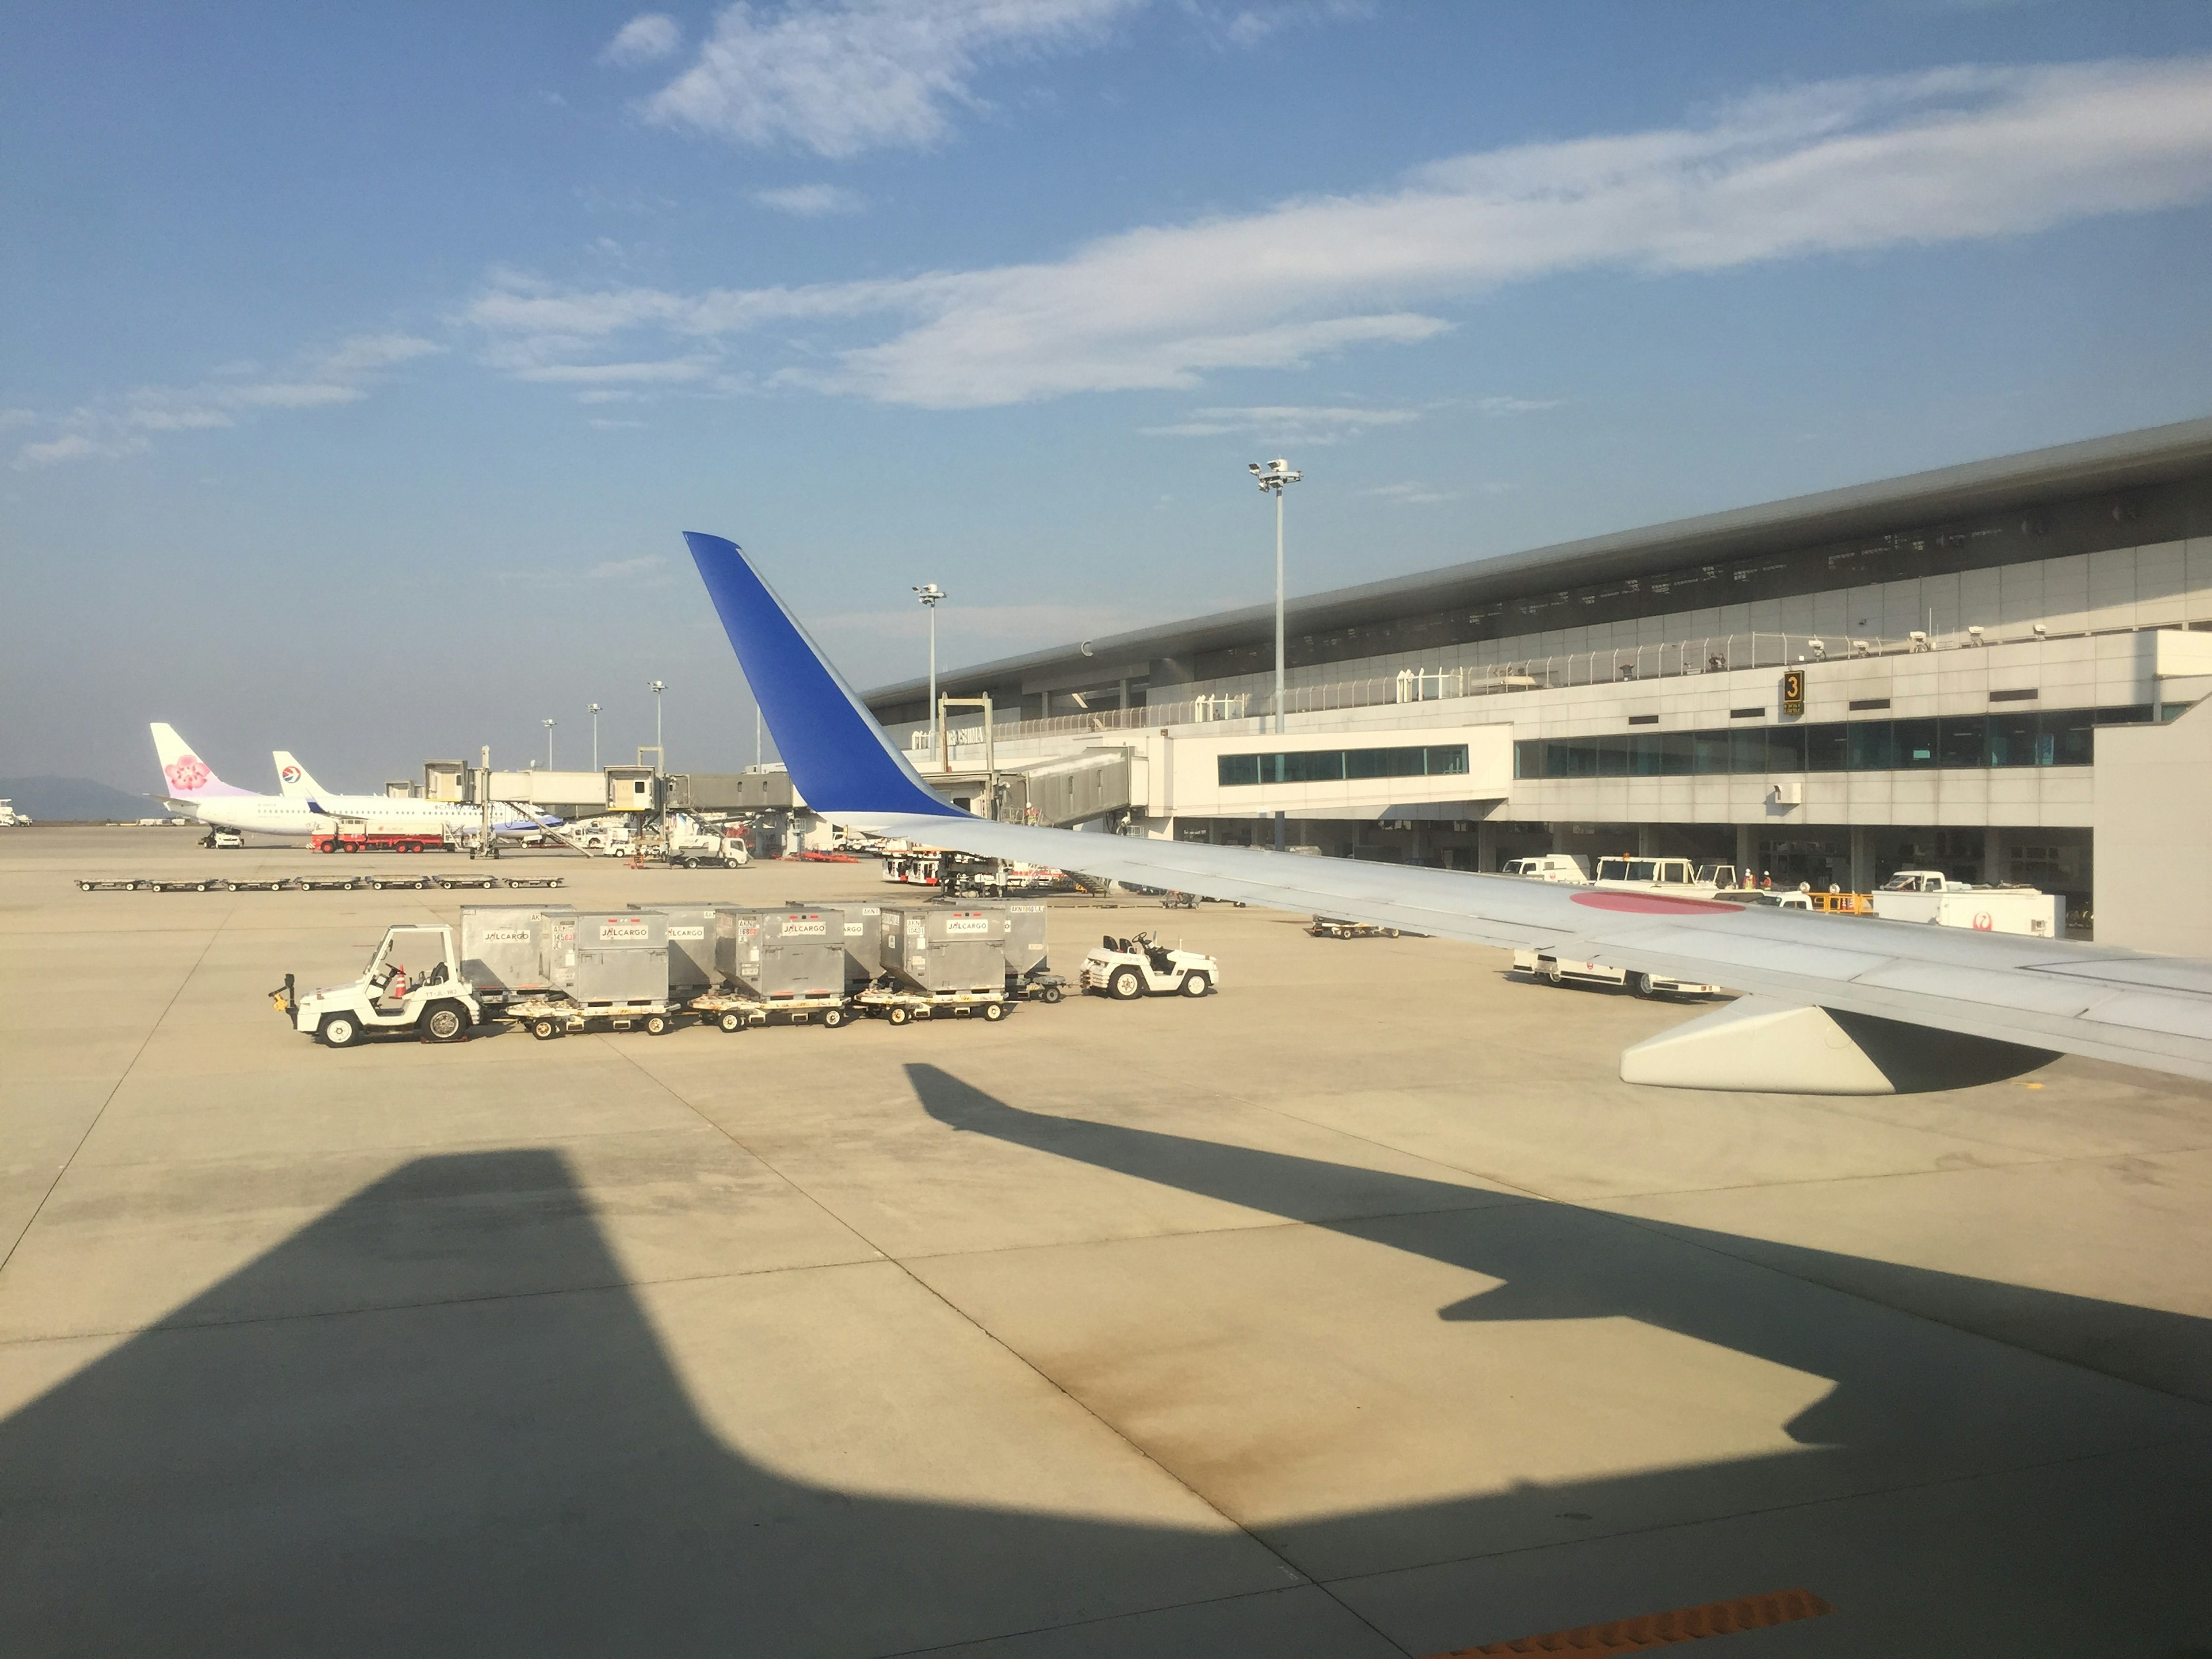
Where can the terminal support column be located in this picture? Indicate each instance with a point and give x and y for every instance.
(1747, 849)
(1861, 859)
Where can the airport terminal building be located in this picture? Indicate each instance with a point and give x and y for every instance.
(1978, 669)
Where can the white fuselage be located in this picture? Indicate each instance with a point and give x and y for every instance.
(280, 815)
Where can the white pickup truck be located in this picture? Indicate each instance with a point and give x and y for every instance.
(1929, 895)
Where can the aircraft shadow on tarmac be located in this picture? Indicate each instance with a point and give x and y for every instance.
(467, 1470)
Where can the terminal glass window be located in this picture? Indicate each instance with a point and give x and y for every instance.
(1916, 743)
(2014, 741)
(1336, 765)
(1962, 743)
(1967, 742)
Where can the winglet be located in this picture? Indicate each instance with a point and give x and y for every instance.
(839, 757)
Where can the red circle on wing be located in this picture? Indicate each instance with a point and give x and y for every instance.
(1650, 903)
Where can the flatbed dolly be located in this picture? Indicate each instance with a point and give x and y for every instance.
(736, 1013)
(1329, 927)
(547, 1017)
(904, 1008)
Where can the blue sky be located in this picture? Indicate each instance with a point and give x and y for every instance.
(360, 365)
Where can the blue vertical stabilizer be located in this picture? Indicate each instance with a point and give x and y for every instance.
(839, 760)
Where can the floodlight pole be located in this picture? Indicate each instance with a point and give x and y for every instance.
(660, 754)
(1274, 478)
(931, 595)
(595, 737)
(549, 745)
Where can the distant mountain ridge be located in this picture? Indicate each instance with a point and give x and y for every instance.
(51, 800)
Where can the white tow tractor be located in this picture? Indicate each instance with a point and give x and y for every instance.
(413, 982)
(1126, 969)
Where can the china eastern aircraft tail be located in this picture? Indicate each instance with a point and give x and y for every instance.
(1835, 1006)
(293, 778)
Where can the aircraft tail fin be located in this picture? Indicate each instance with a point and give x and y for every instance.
(186, 776)
(293, 778)
(840, 759)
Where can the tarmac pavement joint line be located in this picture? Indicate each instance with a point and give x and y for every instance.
(115, 1088)
(1297, 1574)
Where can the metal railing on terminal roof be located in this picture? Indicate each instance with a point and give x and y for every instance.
(1720, 654)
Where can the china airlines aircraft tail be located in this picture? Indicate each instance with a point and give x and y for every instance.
(292, 777)
(185, 775)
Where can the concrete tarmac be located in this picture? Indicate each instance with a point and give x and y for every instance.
(1358, 1310)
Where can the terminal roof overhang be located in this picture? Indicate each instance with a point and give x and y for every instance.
(2127, 460)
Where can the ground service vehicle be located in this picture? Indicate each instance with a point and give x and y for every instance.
(1542, 964)
(1332, 927)
(222, 838)
(1929, 895)
(1549, 867)
(413, 982)
(1126, 969)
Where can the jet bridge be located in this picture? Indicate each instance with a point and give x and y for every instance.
(1078, 789)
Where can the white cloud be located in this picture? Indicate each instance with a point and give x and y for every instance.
(851, 75)
(622, 569)
(1304, 423)
(674, 368)
(645, 38)
(1248, 28)
(1846, 165)
(70, 447)
(811, 201)
(121, 426)
(1516, 405)
(14, 417)
(1413, 495)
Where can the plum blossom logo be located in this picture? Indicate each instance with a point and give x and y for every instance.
(186, 774)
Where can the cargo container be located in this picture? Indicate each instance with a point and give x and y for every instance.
(936, 949)
(503, 947)
(609, 956)
(1025, 942)
(694, 933)
(864, 944)
(778, 955)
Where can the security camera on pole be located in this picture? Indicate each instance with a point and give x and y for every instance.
(1274, 477)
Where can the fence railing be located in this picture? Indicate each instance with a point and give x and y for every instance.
(1720, 654)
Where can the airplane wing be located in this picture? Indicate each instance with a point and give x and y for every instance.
(1835, 1004)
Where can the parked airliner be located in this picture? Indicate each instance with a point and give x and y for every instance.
(191, 787)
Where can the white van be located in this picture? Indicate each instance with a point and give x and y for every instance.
(1550, 867)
